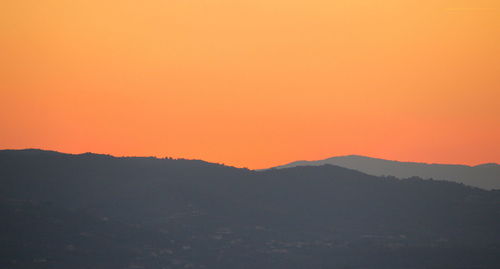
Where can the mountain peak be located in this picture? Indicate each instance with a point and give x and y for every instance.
(486, 176)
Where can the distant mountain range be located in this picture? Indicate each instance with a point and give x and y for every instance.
(486, 176)
(62, 211)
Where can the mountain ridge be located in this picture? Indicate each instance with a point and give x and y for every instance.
(396, 161)
(486, 176)
(68, 211)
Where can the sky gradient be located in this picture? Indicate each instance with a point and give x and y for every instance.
(253, 83)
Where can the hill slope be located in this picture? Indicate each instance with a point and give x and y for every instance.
(486, 176)
(68, 211)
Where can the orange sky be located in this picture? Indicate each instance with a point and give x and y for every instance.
(253, 83)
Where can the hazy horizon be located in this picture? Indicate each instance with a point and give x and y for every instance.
(229, 164)
(251, 82)
(381, 112)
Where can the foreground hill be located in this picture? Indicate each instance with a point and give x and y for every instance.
(486, 176)
(98, 211)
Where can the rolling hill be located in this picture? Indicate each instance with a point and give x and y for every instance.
(486, 176)
(99, 211)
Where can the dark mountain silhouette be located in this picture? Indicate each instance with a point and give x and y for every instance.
(98, 211)
(486, 176)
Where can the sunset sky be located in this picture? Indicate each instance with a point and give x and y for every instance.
(253, 83)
